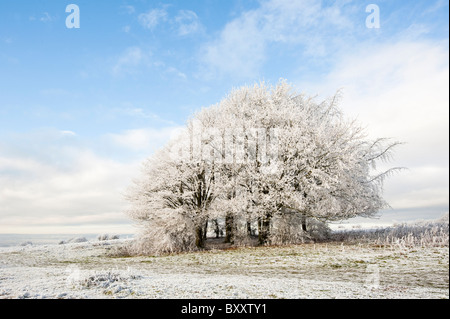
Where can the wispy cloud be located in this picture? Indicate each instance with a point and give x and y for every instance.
(152, 18)
(182, 23)
(187, 22)
(438, 5)
(241, 47)
(146, 139)
(129, 9)
(130, 60)
(135, 59)
(46, 17)
(129, 110)
(178, 73)
(68, 133)
(400, 90)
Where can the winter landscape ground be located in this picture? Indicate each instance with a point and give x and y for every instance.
(341, 268)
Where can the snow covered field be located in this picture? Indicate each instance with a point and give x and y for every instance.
(87, 270)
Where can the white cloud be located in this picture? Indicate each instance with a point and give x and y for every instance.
(400, 90)
(240, 48)
(419, 187)
(52, 181)
(68, 133)
(129, 9)
(188, 22)
(178, 73)
(438, 5)
(184, 23)
(128, 109)
(135, 60)
(46, 17)
(146, 139)
(130, 61)
(152, 18)
(35, 194)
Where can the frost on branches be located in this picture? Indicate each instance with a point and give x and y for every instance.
(266, 163)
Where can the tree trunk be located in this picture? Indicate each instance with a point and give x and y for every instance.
(205, 231)
(259, 227)
(249, 228)
(304, 223)
(199, 238)
(229, 228)
(216, 228)
(264, 229)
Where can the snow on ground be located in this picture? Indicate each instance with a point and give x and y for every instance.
(87, 270)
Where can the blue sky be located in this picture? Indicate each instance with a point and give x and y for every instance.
(80, 109)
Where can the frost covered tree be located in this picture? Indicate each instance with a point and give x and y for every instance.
(295, 155)
(171, 202)
(264, 156)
